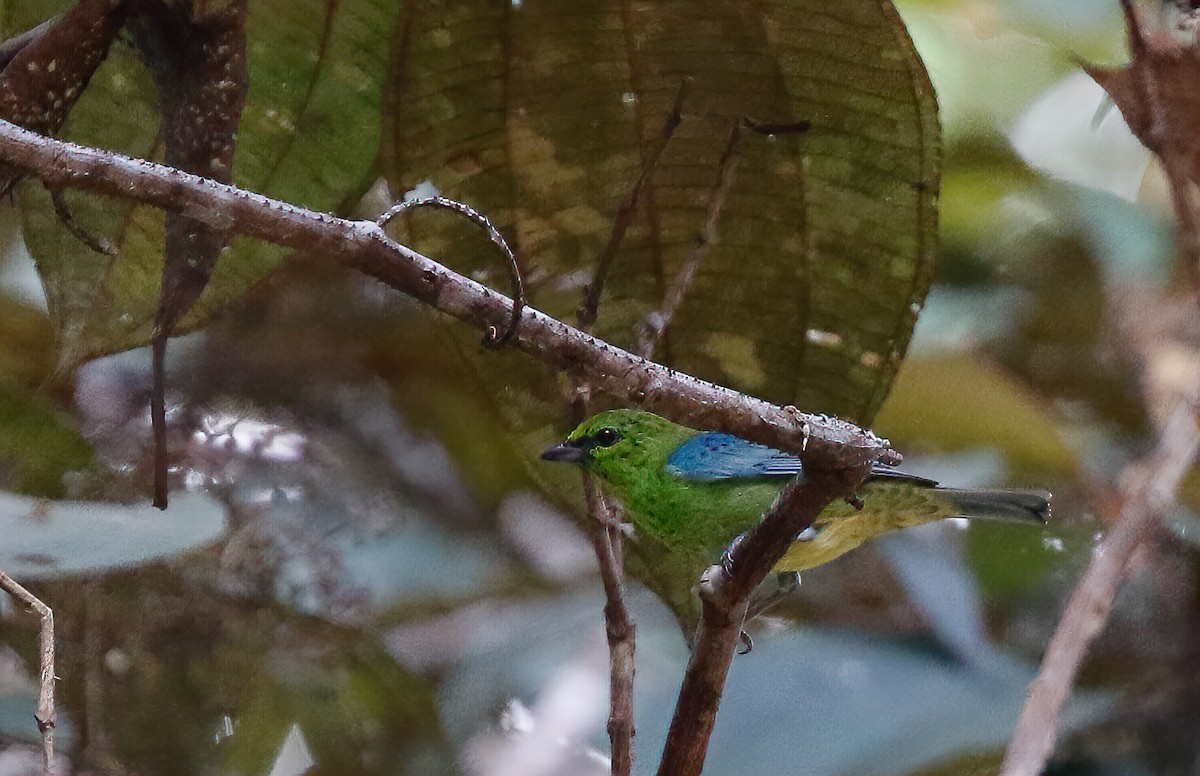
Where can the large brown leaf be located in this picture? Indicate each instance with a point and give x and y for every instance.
(540, 114)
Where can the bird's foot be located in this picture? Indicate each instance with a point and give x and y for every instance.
(786, 583)
(745, 643)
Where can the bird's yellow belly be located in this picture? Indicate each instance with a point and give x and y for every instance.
(836, 538)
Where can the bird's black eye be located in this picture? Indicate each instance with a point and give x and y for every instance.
(607, 437)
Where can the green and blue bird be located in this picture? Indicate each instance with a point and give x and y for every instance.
(690, 493)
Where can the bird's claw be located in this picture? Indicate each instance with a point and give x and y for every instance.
(745, 643)
(43, 724)
(855, 502)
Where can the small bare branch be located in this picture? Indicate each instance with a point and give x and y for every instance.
(93, 243)
(46, 714)
(158, 416)
(656, 324)
(619, 627)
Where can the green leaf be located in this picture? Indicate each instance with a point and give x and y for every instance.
(309, 134)
(37, 446)
(956, 403)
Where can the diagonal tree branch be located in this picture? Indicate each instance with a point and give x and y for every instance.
(655, 325)
(1156, 96)
(1087, 611)
(831, 443)
(588, 310)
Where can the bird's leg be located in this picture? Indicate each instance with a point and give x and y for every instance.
(786, 583)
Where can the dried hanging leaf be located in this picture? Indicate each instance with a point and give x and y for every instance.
(198, 59)
(1156, 93)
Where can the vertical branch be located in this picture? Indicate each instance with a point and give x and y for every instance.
(703, 685)
(619, 627)
(1088, 610)
(46, 714)
(158, 416)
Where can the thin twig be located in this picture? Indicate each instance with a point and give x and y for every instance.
(589, 309)
(93, 243)
(490, 338)
(619, 627)
(46, 714)
(656, 323)
(725, 595)
(1087, 611)
(362, 245)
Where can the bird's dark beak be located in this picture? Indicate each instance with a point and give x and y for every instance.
(567, 452)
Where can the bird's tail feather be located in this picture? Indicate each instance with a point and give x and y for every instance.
(1011, 506)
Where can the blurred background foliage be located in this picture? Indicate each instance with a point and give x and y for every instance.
(390, 582)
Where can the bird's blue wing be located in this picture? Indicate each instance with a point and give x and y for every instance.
(715, 456)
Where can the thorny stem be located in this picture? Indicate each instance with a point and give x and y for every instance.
(725, 595)
(586, 315)
(619, 627)
(46, 714)
(831, 443)
(835, 451)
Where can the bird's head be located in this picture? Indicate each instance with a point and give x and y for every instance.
(614, 440)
